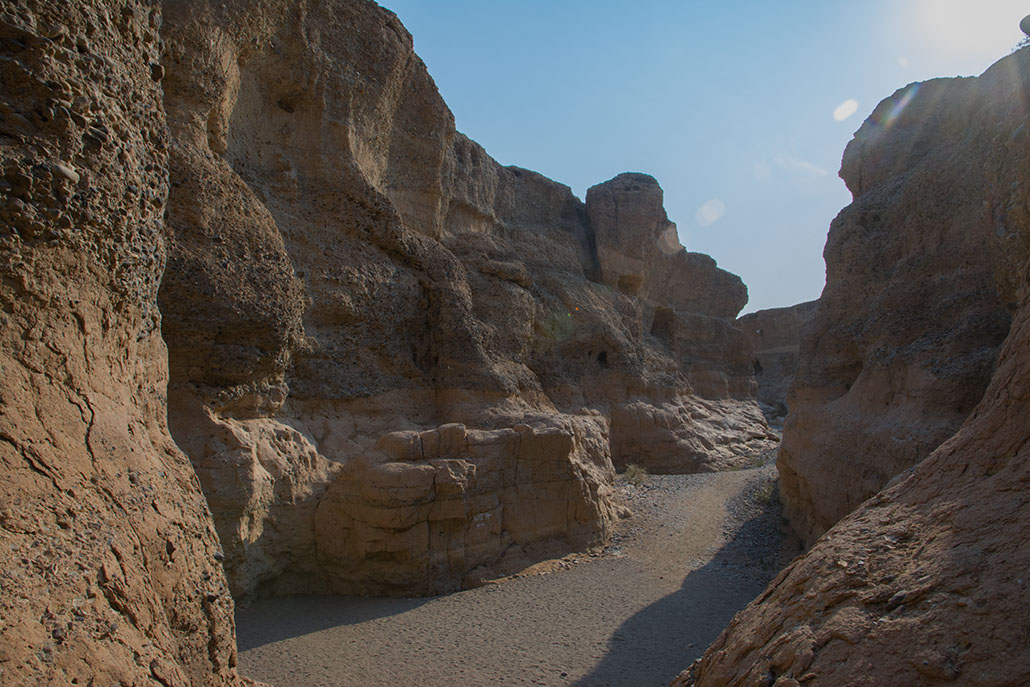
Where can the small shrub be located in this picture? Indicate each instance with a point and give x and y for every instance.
(635, 474)
(766, 492)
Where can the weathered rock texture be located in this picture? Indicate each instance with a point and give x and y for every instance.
(775, 336)
(423, 509)
(345, 265)
(108, 570)
(909, 324)
(345, 273)
(926, 583)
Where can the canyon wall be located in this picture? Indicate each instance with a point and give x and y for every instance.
(925, 583)
(909, 325)
(344, 266)
(108, 557)
(392, 366)
(775, 336)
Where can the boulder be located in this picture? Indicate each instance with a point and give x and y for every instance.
(422, 510)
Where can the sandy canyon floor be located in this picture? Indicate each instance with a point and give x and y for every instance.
(697, 549)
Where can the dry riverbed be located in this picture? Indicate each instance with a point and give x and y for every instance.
(697, 550)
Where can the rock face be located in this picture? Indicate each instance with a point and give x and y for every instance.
(423, 509)
(344, 265)
(347, 278)
(926, 582)
(908, 328)
(775, 336)
(107, 552)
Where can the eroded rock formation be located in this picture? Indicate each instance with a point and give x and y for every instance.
(108, 563)
(345, 273)
(926, 582)
(908, 328)
(775, 336)
(422, 510)
(345, 265)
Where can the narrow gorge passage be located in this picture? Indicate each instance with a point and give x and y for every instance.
(697, 550)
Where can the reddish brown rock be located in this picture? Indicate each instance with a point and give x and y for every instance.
(108, 557)
(908, 327)
(775, 336)
(926, 582)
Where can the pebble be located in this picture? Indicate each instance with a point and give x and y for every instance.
(65, 171)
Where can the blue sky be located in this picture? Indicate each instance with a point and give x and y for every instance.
(741, 109)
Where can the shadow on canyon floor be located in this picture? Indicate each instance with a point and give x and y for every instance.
(274, 620)
(656, 643)
(636, 616)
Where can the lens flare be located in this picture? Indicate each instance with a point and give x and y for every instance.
(895, 111)
(711, 212)
(845, 109)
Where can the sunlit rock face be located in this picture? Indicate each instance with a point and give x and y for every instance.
(925, 583)
(775, 336)
(908, 328)
(108, 556)
(424, 512)
(344, 265)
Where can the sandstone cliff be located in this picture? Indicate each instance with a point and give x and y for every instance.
(347, 280)
(344, 266)
(775, 336)
(926, 582)
(909, 324)
(108, 563)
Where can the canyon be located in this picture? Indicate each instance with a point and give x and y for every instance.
(775, 335)
(272, 326)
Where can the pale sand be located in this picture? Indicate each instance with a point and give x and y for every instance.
(699, 548)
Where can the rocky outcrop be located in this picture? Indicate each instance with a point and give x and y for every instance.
(108, 558)
(908, 328)
(775, 336)
(344, 265)
(423, 509)
(925, 583)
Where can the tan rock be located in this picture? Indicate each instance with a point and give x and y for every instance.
(107, 551)
(345, 266)
(459, 501)
(687, 435)
(908, 327)
(263, 481)
(925, 583)
(775, 336)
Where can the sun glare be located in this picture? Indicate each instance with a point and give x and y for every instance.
(968, 28)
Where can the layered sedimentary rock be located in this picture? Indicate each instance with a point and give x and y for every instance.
(909, 325)
(926, 582)
(775, 336)
(421, 510)
(344, 265)
(108, 563)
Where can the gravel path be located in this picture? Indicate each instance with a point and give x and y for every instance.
(697, 550)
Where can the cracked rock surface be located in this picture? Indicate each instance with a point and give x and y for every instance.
(107, 550)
